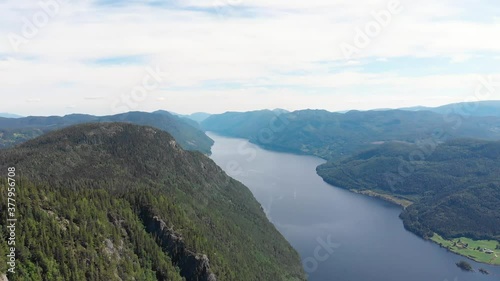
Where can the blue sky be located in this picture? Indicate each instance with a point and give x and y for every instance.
(60, 57)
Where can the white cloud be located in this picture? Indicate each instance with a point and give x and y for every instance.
(254, 51)
(94, 98)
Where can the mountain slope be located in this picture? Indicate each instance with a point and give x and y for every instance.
(455, 187)
(156, 211)
(14, 131)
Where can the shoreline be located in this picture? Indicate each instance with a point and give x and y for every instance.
(494, 261)
(404, 203)
(467, 257)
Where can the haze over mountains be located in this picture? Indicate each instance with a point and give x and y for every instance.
(9, 115)
(198, 116)
(478, 108)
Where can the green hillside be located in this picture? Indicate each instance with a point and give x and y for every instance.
(116, 201)
(455, 187)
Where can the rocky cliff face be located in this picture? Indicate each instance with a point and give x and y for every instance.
(194, 267)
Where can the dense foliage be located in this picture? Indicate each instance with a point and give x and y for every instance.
(10, 137)
(67, 234)
(455, 185)
(186, 132)
(465, 266)
(85, 190)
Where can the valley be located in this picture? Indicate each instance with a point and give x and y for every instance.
(445, 177)
(368, 239)
(259, 140)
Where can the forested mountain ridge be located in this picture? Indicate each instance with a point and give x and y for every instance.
(189, 136)
(455, 187)
(129, 201)
(335, 135)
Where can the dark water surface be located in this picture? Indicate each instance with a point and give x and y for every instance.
(340, 236)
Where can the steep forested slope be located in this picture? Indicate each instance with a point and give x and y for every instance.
(116, 201)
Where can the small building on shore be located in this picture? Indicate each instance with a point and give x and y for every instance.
(488, 251)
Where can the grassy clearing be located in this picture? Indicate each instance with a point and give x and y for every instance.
(472, 249)
(391, 198)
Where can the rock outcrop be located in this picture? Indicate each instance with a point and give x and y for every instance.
(193, 266)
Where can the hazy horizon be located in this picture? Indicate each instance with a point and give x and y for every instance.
(213, 113)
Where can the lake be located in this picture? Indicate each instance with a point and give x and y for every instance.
(340, 236)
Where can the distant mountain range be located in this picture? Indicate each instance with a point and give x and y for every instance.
(479, 108)
(201, 116)
(9, 115)
(335, 135)
(117, 201)
(186, 132)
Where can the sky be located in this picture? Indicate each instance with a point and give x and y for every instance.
(107, 56)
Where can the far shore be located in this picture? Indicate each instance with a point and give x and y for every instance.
(386, 197)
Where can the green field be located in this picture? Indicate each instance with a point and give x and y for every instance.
(469, 248)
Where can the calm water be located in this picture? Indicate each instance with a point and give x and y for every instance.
(341, 236)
